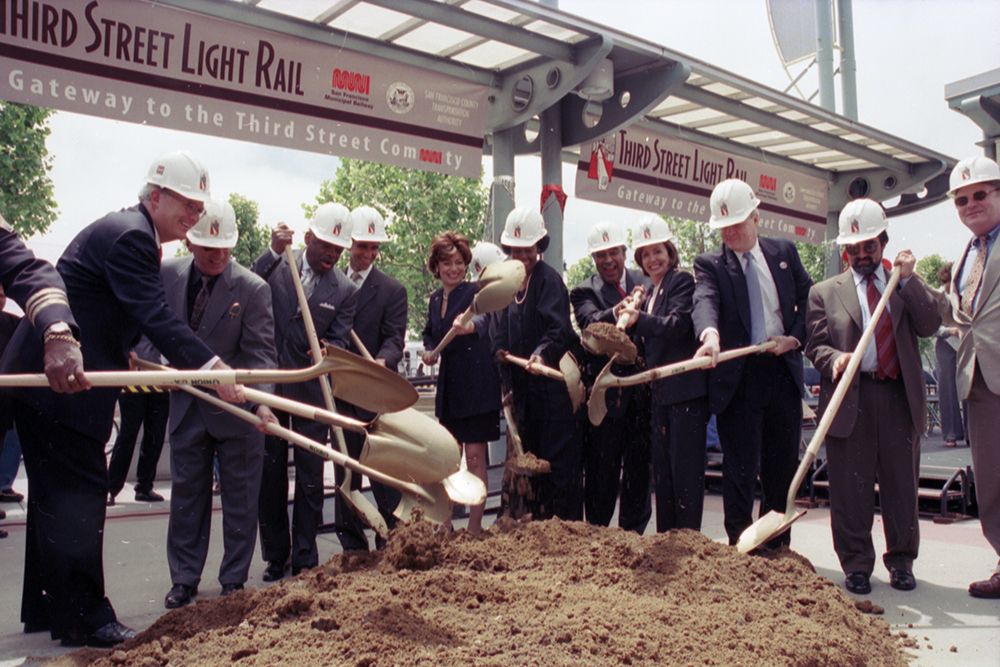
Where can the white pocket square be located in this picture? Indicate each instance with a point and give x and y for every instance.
(328, 306)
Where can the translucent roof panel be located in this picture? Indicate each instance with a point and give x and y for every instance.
(369, 21)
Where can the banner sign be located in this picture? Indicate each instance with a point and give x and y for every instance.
(142, 62)
(652, 172)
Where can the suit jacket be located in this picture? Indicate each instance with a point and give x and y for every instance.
(33, 284)
(539, 325)
(332, 305)
(467, 383)
(380, 318)
(112, 276)
(239, 327)
(668, 336)
(980, 341)
(593, 301)
(721, 301)
(834, 326)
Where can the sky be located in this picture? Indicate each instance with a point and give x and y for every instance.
(906, 50)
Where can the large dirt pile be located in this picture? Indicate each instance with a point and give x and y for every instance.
(527, 593)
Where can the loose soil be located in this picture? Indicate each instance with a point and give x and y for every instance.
(545, 593)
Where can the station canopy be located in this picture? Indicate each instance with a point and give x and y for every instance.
(431, 84)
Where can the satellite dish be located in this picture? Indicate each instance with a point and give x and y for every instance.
(793, 28)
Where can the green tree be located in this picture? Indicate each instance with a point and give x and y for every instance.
(692, 239)
(25, 188)
(812, 259)
(580, 271)
(416, 205)
(928, 268)
(254, 238)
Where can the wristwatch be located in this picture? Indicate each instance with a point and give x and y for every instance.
(56, 329)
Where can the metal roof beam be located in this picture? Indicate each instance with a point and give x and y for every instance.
(792, 128)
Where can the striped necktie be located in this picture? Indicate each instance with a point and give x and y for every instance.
(885, 341)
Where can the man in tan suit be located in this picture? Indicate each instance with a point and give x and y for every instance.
(973, 305)
(876, 432)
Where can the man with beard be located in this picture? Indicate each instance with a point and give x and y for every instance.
(876, 431)
(615, 452)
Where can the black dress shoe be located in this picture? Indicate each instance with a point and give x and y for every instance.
(3, 533)
(902, 580)
(148, 497)
(10, 496)
(858, 583)
(231, 588)
(275, 570)
(179, 596)
(106, 636)
(989, 588)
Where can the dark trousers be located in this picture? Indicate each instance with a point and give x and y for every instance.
(952, 426)
(558, 441)
(679, 431)
(760, 432)
(64, 544)
(153, 411)
(307, 507)
(616, 456)
(351, 529)
(883, 446)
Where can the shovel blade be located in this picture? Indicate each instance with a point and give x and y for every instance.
(574, 382)
(765, 528)
(411, 446)
(498, 283)
(366, 384)
(438, 511)
(465, 488)
(364, 510)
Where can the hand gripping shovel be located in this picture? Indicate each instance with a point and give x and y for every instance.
(569, 372)
(603, 339)
(431, 498)
(774, 523)
(498, 283)
(597, 407)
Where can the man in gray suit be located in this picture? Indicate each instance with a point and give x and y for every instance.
(380, 324)
(230, 309)
(973, 305)
(332, 302)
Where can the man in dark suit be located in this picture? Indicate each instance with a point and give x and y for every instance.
(332, 302)
(748, 291)
(229, 307)
(112, 275)
(881, 439)
(616, 453)
(380, 324)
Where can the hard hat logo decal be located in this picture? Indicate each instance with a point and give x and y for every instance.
(214, 229)
(646, 233)
(966, 174)
(159, 170)
(517, 232)
(203, 182)
(336, 229)
(604, 236)
(724, 210)
(477, 267)
(371, 227)
(855, 226)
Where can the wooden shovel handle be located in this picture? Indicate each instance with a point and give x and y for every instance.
(307, 319)
(462, 320)
(541, 369)
(838, 394)
(684, 366)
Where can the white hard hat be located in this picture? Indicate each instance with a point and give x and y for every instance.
(861, 219)
(181, 172)
(732, 202)
(332, 223)
(972, 170)
(484, 254)
(524, 227)
(217, 228)
(604, 236)
(368, 225)
(649, 230)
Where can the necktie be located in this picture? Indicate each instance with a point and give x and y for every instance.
(758, 332)
(308, 281)
(200, 303)
(356, 277)
(975, 277)
(618, 286)
(885, 342)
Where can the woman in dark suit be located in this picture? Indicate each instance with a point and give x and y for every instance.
(680, 404)
(468, 387)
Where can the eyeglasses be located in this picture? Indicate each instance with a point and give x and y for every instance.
(978, 196)
(192, 208)
(870, 247)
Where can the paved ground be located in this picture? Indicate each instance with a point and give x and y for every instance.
(939, 614)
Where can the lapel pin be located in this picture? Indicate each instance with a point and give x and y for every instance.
(783, 265)
(234, 310)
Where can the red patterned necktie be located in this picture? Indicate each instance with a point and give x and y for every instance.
(975, 277)
(885, 341)
(620, 290)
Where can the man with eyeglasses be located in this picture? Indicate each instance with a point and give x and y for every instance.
(112, 276)
(973, 305)
(876, 432)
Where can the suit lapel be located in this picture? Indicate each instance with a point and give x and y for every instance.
(368, 289)
(991, 274)
(847, 292)
(608, 293)
(219, 302)
(736, 274)
(178, 289)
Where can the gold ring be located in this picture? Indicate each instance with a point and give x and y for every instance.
(71, 378)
